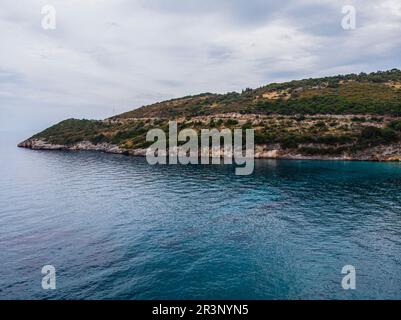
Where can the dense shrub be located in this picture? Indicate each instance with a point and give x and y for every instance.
(247, 125)
(374, 136)
(100, 138)
(231, 122)
(395, 124)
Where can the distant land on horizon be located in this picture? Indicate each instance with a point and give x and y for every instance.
(344, 117)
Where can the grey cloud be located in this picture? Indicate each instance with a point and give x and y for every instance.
(123, 54)
(238, 11)
(7, 76)
(216, 52)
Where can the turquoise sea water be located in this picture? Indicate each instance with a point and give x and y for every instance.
(116, 228)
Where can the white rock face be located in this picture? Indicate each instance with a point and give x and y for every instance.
(37, 144)
(89, 146)
(138, 152)
(378, 153)
(271, 154)
(266, 152)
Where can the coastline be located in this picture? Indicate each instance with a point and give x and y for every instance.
(381, 153)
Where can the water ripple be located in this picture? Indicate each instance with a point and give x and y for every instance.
(115, 227)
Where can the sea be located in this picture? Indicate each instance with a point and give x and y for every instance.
(115, 227)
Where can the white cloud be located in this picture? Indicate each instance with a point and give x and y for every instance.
(393, 5)
(124, 54)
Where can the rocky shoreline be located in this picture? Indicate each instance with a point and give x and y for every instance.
(37, 144)
(382, 153)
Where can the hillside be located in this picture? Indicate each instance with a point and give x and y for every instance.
(342, 117)
(376, 93)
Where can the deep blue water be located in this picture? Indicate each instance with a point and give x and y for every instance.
(116, 228)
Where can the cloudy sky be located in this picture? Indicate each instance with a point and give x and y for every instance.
(106, 57)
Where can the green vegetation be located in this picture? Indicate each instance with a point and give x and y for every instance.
(314, 116)
(395, 124)
(71, 131)
(375, 94)
(231, 122)
(371, 136)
